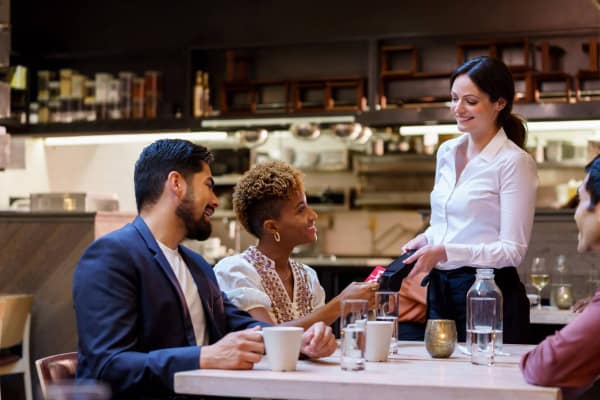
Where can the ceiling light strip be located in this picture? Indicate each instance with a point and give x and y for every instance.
(537, 126)
(204, 136)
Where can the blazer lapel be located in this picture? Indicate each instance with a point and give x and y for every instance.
(209, 295)
(162, 262)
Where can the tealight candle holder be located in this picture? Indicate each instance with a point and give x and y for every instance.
(440, 337)
(564, 296)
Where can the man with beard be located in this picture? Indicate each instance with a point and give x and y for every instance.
(569, 359)
(148, 307)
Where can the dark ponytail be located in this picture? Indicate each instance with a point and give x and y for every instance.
(514, 126)
(493, 77)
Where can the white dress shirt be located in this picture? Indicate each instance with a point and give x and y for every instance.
(484, 219)
(190, 292)
(242, 284)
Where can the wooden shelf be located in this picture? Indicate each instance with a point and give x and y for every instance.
(562, 77)
(398, 75)
(582, 77)
(497, 49)
(386, 52)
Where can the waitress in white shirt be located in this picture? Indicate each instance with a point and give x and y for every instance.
(482, 203)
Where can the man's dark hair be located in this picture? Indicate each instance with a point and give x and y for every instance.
(593, 184)
(160, 158)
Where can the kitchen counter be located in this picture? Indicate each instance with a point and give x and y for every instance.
(551, 316)
(38, 257)
(14, 215)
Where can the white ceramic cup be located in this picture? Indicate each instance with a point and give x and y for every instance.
(282, 345)
(379, 336)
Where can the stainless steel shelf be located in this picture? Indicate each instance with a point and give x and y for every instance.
(399, 163)
(428, 115)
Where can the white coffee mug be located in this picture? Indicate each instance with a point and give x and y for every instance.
(379, 336)
(282, 345)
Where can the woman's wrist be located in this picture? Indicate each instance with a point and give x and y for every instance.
(442, 253)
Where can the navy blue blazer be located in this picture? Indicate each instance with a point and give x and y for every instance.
(134, 327)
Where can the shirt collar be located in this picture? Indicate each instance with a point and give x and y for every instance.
(493, 147)
(256, 256)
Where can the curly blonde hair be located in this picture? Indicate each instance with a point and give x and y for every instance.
(262, 191)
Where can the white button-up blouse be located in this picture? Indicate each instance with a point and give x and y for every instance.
(484, 219)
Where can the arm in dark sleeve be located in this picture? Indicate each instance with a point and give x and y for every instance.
(105, 295)
(569, 358)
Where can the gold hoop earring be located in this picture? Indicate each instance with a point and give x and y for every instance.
(277, 237)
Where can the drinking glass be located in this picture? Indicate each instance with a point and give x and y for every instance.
(593, 281)
(78, 390)
(353, 324)
(386, 303)
(539, 277)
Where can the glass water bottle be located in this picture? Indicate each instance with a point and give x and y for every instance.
(485, 287)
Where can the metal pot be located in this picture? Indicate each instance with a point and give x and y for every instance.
(57, 201)
(253, 138)
(348, 132)
(306, 131)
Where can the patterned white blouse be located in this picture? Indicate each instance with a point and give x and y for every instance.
(250, 281)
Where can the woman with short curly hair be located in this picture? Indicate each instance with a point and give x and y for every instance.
(270, 203)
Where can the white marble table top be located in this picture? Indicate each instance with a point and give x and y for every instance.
(411, 374)
(551, 315)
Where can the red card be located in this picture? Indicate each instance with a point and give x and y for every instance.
(375, 274)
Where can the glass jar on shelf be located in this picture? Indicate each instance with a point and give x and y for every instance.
(125, 93)
(43, 80)
(152, 93)
(137, 98)
(34, 108)
(65, 80)
(77, 94)
(54, 111)
(102, 89)
(89, 100)
(113, 99)
(43, 112)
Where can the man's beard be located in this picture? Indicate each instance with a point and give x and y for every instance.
(197, 230)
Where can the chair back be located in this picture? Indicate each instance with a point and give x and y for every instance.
(58, 367)
(14, 310)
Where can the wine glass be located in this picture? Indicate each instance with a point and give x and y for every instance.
(539, 277)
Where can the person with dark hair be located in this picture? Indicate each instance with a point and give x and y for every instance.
(148, 307)
(569, 358)
(482, 203)
(264, 280)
